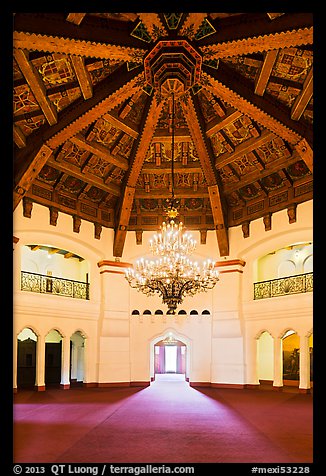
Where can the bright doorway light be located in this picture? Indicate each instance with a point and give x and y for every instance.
(170, 358)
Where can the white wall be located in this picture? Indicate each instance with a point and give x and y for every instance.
(222, 346)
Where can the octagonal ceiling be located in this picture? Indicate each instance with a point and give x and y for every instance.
(92, 118)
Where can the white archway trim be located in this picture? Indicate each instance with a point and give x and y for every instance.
(181, 337)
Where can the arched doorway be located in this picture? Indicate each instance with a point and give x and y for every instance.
(53, 357)
(77, 366)
(291, 358)
(170, 356)
(265, 358)
(26, 358)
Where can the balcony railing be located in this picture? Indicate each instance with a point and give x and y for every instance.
(301, 283)
(39, 283)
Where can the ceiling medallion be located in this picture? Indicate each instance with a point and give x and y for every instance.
(172, 66)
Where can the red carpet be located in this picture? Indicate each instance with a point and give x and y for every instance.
(168, 422)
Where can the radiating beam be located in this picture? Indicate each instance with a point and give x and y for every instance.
(76, 18)
(100, 151)
(265, 71)
(83, 76)
(302, 100)
(195, 129)
(36, 85)
(128, 193)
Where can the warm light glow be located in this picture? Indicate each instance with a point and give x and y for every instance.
(172, 275)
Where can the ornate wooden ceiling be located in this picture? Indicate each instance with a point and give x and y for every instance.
(92, 118)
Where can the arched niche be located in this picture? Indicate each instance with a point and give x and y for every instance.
(26, 358)
(265, 357)
(286, 268)
(291, 357)
(77, 358)
(308, 264)
(53, 357)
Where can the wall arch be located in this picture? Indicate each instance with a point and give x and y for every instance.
(64, 241)
(250, 254)
(308, 264)
(265, 356)
(178, 336)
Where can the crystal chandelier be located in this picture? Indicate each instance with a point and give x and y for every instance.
(172, 274)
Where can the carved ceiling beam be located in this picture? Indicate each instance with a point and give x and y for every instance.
(91, 34)
(95, 107)
(302, 100)
(121, 125)
(244, 148)
(258, 35)
(67, 46)
(74, 171)
(265, 72)
(83, 76)
(238, 92)
(195, 128)
(223, 123)
(257, 45)
(305, 151)
(36, 85)
(152, 117)
(100, 151)
(19, 137)
(26, 176)
(72, 121)
(250, 177)
(153, 25)
(108, 93)
(272, 16)
(76, 18)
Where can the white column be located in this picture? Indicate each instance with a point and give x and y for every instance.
(228, 351)
(278, 363)
(65, 363)
(40, 364)
(114, 325)
(304, 364)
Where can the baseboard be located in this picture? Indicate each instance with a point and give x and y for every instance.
(239, 386)
(200, 384)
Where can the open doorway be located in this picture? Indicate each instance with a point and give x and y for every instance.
(170, 358)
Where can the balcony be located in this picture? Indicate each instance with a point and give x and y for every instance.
(300, 283)
(39, 283)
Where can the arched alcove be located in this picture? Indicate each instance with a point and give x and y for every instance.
(286, 268)
(206, 312)
(193, 312)
(53, 357)
(308, 264)
(182, 312)
(147, 311)
(291, 357)
(26, 358)
(77, 358)
(158, 312)
(135, 312)
(265, 357)
(172, 336)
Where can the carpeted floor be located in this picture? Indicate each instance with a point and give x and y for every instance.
(167, 422)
